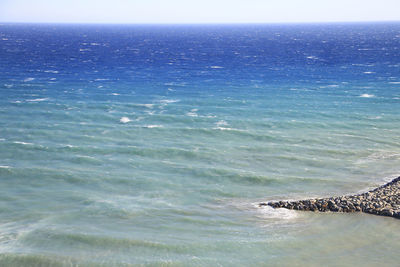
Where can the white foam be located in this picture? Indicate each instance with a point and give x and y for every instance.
(192, 113)
(224, 129)
(52, 71)
(394, 82)
(114, 94)
(216, 67)
(221, 123)
(368, 72)
(70, 146)
(367, 95)
(22, 143)
(153, 126)
(383, 155)
(124, 120)
(168, 101)
(37, 99)
(146, 105)
(375, 117)
(29, 79)
(4, 167)
(268, 212)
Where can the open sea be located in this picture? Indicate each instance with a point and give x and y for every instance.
(150, 145)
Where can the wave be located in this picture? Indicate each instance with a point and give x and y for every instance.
(5, 167)
(22, 143)
(51, 71)
(37, 99)
(367, 95)
(267, 212)
(153, 126)
(124, 120)
(169, 101)
(192, 113)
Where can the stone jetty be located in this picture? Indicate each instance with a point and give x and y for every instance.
(384, 201)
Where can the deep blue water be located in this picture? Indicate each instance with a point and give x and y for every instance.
(149, 144)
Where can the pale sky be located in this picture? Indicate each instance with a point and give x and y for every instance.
(198, 11)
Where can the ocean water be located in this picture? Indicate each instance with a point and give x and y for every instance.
(127, 145)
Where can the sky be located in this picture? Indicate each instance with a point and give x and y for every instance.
(198, 11)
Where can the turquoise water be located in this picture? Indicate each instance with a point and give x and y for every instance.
(150, 145)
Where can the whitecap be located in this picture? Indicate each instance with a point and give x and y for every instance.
(368, 72)
(224, 129)
(29, 79)
(221, 122)
(70, 146)
(216, 67)
(114, 94)
(153, 126)
(192, 113)
(268, 212)
(146, 105)
(4, 167)
(124, 120)
(168, 101)
(375, 117)
(52, 71)
(37, 99)
(22, 143)
(367, 95)
(394, 82)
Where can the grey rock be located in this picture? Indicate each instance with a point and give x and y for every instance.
(384, 201)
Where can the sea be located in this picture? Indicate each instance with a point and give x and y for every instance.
(152, 145)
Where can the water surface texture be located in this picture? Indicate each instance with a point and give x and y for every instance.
(153, 145)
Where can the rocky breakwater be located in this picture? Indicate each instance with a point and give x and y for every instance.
(384, 201)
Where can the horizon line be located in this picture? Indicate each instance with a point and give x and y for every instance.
(199, 23)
